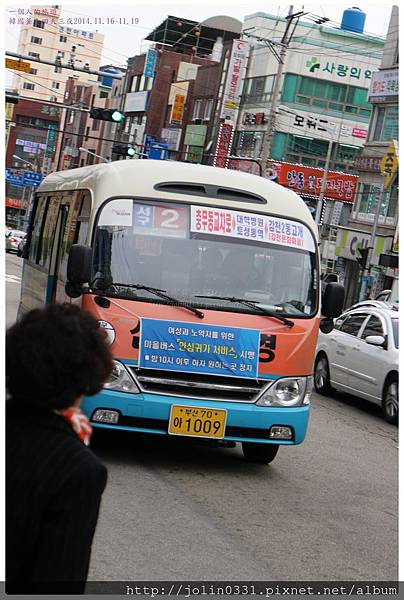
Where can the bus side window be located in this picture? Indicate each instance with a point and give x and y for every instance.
(76, 228)
(83, 219)
(37, 228)
(48, 233)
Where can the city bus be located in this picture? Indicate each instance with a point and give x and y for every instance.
(206, 282)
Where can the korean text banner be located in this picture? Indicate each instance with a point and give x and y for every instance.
(307, 180)
(195, 348)
(247, 226)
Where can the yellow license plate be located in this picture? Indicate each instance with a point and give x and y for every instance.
(197, 422)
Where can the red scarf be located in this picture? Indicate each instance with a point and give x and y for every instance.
(78, 422)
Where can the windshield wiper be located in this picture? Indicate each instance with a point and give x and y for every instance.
(252, 304)
(159, 292)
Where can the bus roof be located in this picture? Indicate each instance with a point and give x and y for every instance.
(138, 178)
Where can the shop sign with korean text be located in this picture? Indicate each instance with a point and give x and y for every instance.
(223, 147)
(336, 70)
(195, 135)
(178, 109)
(384, 86)
(253, 227)
(389, 163)
(234, 80)
(150, 62)
(196, 348)
(172, 137)
(307, 180)
(18, 65)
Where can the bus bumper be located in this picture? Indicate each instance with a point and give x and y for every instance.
(150, 413)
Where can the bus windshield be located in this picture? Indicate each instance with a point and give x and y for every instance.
(206, 257)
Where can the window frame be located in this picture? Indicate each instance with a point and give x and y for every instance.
(370, 317)
(349, 316)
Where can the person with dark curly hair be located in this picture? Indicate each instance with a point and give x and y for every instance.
(54, 482)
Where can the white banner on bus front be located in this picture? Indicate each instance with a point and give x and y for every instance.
(248, 226)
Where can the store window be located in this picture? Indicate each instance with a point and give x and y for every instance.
(208, 109)
(197, 110)
(368, 198)
(312, 152)
(386, 123)
(328, 95)
(258, 89)
(249, 143)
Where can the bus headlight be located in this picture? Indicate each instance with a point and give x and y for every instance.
(288, 391)
(120, 380)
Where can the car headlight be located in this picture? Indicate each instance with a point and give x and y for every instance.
(120, 380)
(288, 391)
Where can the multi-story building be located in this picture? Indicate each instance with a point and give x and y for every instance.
(322, 99)
(43, 37)
(160, 83)
(32, 134)
(377, 194)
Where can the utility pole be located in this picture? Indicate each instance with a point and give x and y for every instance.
(323, 183)
(269, 133)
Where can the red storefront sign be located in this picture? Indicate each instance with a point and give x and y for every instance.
(13, 202)
(307, 180)
(223, 145)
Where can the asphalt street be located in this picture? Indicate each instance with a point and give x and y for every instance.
(174, 510)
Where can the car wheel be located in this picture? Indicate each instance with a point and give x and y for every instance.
(390, 400)
(322, 383)
(259, 453)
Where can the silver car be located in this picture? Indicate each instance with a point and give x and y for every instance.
(13, 238)
(360, 356)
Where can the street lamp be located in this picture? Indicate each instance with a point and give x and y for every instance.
(331, 130)
(94, 154)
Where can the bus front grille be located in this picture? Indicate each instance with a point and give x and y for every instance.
(194, 385)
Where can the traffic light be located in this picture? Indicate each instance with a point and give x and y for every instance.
(123, 150)
(363, 259)
(107, 114)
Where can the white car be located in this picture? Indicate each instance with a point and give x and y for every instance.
(360, 356)
(13, 238)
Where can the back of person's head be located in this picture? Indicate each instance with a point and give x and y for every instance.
(55, 355)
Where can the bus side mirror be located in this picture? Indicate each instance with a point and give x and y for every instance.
(333, 300)
(79, 266)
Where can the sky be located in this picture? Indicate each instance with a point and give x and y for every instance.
(122, 41)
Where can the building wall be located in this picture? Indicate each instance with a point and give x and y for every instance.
(170, 76)
(314, 53)
(371, 181)
(49, 81)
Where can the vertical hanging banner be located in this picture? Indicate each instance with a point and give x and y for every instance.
(150, 63)
(224, 144)
(234, 80)
(50, 148)
(178, 109)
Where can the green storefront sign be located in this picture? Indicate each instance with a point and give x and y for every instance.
(195, 135)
